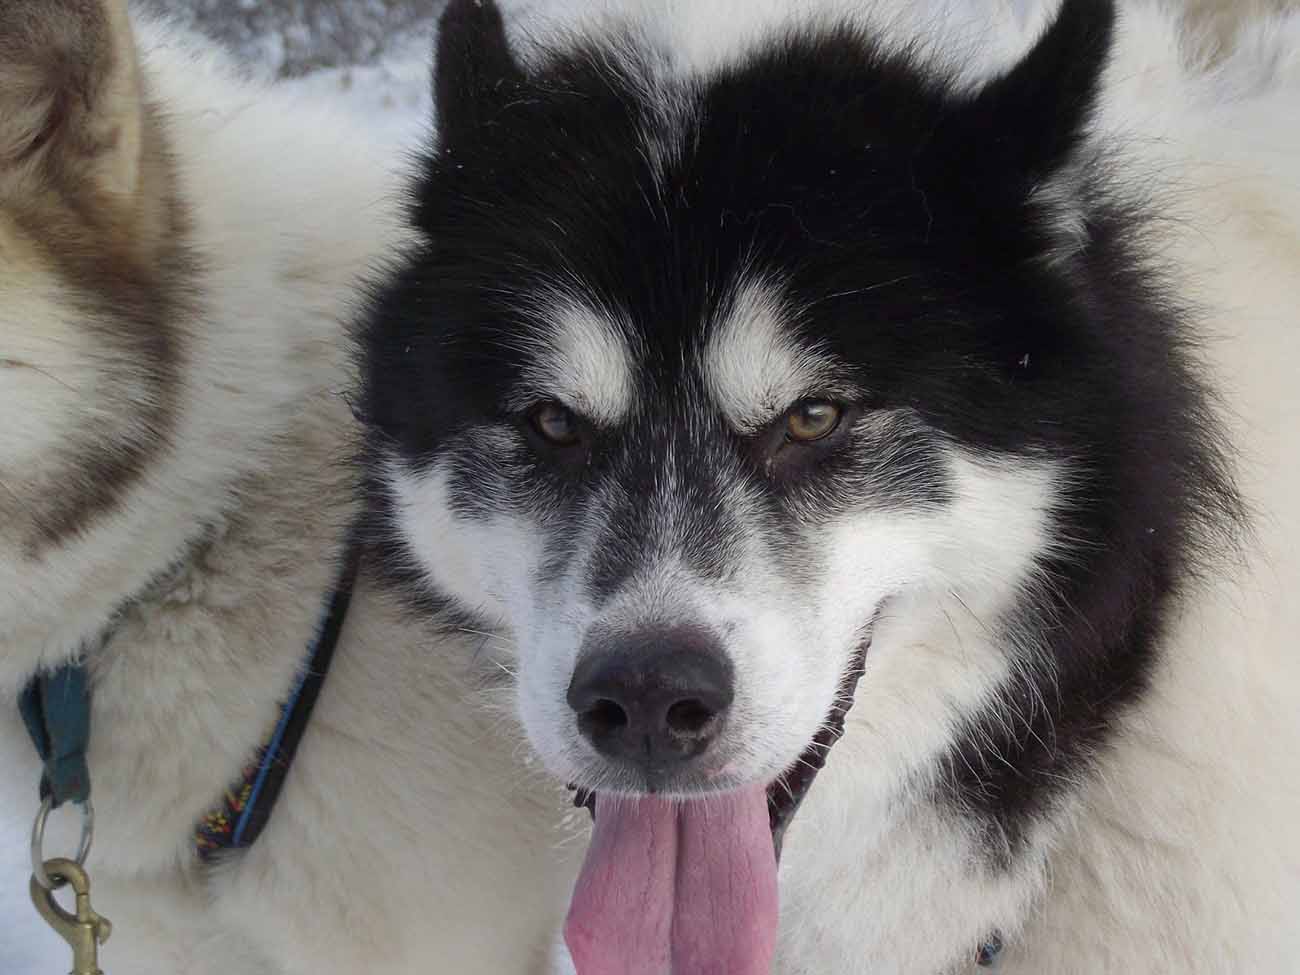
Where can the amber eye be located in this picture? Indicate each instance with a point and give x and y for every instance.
(812, 420)
(556, 424)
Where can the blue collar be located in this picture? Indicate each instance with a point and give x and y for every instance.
(247, 804)
(55, 707)
(990, 952)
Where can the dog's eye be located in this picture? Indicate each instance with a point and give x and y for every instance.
(556, 424)
(811, 420)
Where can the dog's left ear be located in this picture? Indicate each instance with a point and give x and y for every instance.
(475, 70)
(1027, 123)
(70, 100)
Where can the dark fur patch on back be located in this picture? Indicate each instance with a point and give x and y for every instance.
(130, 270)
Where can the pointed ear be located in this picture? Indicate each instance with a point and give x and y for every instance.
(70, 107)
(1028, 121)
(475, 68)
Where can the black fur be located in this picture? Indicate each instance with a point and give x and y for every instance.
(476, 71)
(903, 220)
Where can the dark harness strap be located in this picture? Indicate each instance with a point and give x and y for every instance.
(248, 804)
(55, 707)
(990, 952)
(56, 710)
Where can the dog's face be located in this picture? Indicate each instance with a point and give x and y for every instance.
(743, 374)
(744, 489)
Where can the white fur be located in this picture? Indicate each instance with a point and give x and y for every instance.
(754, 368)
(480, 564)
(582, 360)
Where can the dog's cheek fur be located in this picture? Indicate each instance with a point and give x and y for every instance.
(942, 647)
(474, 534)
(894, 575)
(788, 661)
(484, 560)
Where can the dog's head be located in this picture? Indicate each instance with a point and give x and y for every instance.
(704, 385)
(717, 392)
(698, 379)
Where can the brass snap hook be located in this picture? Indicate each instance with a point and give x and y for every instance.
(84, 930)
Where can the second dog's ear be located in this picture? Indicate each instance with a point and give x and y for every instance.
(475, 70)
(70, 105)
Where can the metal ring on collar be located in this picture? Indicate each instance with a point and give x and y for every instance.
(38, 839)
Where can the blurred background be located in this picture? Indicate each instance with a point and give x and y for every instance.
(292, 38)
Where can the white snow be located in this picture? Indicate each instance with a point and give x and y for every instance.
(393, 99)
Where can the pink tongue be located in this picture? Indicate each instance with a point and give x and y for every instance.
(677, 888)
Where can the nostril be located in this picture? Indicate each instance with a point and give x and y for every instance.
(689, 717)
(603, 718)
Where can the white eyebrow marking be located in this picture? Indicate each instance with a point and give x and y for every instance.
(754, 366)
(579, 356)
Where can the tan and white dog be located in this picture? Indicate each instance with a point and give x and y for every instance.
(179, 252)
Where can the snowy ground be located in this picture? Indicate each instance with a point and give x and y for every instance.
(391, 98)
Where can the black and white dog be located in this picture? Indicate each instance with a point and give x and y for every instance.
(756, 364)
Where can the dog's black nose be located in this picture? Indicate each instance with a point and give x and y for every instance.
(655, 699)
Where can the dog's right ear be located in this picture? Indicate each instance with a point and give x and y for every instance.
(475, 71)
(1025, 125)
(70, 104)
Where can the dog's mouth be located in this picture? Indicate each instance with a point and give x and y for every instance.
(786, 793)
(690, 886)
